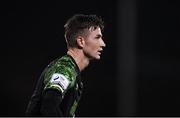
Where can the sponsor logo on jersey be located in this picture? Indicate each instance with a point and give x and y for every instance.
(60, 79)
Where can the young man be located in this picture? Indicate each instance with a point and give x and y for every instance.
(59, 88)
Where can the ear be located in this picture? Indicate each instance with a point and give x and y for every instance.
(80, 41)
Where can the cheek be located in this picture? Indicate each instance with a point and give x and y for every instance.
(93, 44)
(93, 47)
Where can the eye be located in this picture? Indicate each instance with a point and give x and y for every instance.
(98, 37)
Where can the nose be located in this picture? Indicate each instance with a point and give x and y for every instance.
(103, 43)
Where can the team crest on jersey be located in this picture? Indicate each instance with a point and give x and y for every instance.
(60, 80)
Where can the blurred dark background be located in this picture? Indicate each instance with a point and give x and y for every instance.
(138, 74)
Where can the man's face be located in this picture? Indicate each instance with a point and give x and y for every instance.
(94, 44)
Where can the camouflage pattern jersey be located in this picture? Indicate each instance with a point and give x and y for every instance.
(62, 75)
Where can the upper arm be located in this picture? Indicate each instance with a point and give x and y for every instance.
(51, 100)
(58, 82)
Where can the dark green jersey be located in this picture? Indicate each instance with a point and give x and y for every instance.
(63, 76)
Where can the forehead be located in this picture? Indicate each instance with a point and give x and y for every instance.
(95, 31)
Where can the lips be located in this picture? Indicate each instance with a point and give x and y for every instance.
(99, 51)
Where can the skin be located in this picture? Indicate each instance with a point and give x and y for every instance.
(89, 47)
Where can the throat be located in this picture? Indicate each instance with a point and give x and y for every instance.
(79, 58)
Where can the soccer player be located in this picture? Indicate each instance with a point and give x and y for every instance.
(59, 87)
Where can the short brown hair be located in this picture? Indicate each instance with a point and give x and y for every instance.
(77, 24)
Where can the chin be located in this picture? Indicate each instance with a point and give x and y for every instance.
(98, 57)
(95, 57)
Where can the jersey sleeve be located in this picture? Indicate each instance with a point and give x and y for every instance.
(51, 100)
(60, 80)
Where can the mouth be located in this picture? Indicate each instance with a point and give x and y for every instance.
(100, 51)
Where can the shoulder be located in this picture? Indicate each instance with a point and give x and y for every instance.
(61, 75)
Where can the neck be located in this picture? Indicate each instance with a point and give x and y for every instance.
(81, 60)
